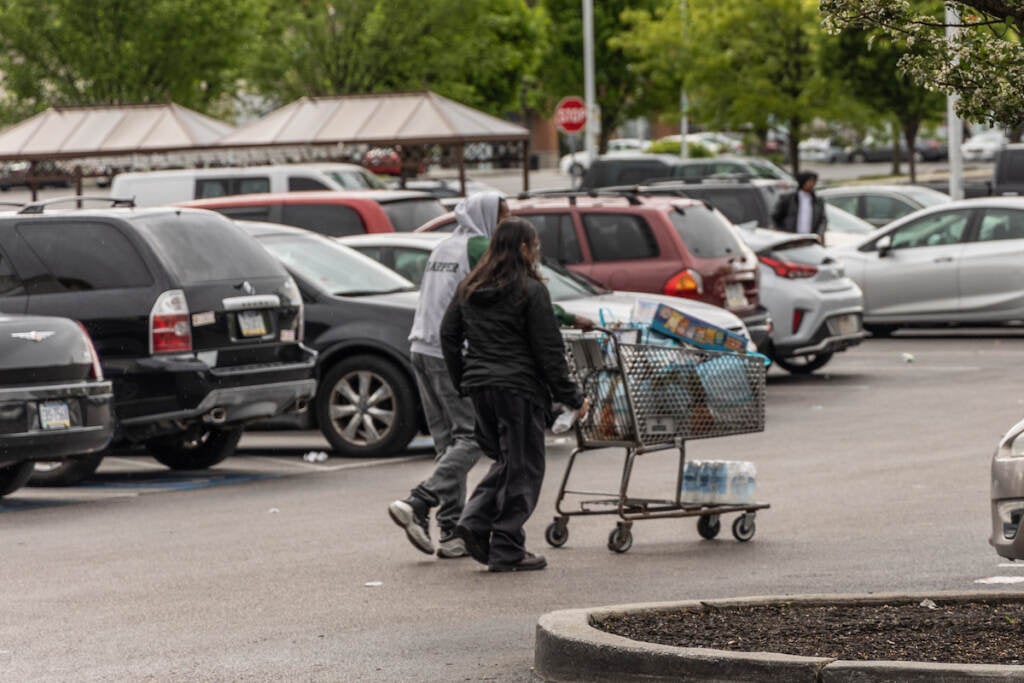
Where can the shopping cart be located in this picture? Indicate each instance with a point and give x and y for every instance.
(648, 397)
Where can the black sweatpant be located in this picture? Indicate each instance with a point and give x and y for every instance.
(510, 429)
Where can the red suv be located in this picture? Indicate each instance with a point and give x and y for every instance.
(332, 212)
(680, 247)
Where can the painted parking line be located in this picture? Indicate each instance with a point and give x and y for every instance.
(173, 481)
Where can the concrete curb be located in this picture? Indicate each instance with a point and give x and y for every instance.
(569, 649)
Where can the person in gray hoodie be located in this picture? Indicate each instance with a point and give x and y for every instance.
(450, 417)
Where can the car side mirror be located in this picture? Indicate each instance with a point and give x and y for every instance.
(884, 245)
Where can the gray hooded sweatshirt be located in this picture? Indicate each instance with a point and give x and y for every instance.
(449, 264)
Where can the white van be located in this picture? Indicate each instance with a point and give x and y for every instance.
(156, 188)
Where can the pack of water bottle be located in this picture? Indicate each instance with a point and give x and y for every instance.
(718, 482)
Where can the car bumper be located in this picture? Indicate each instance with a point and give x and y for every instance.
(827, 338)
(187, 388)
(759, 324)
(89, 412)
(1007, 498)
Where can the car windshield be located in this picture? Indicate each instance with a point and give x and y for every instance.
(706, 234)
(563, 284)
(408, 214)
(193, 244)
(356, 180)
(842, 221)
(334, 268)
(926, 196)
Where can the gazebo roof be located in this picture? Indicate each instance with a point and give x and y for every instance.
(382, 119)
(74, 132)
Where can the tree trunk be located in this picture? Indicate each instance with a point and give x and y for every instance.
(910, 136)
(793, 143)
(896, 149)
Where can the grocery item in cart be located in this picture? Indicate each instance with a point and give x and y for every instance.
(692, 330)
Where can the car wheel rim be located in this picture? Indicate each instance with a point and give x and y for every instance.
(362, 408)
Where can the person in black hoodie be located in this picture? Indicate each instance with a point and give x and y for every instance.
(503, 347)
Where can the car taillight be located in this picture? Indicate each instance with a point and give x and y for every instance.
(97, 370)
(294, 296)
(685, 283)
(798, 317)
(169, 328)
(786, 269)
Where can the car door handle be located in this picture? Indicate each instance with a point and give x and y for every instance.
(944, 259)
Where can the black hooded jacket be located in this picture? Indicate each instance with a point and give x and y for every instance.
(513, 343)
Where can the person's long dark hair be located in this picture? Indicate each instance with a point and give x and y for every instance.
(503, 264)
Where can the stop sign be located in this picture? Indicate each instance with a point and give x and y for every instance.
(571, 114)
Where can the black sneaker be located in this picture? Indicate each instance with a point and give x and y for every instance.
(407, 515)
(528, 562)
(477, 545)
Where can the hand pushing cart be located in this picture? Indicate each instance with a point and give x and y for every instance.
(651, 397)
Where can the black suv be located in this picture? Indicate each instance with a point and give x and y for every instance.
(198, 327)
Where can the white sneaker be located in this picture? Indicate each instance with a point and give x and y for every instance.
(451, 547)
(416, 530)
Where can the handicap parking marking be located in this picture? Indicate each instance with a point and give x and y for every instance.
(173, 481)
(20, 504)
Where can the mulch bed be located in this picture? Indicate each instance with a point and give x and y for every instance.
(952, 632)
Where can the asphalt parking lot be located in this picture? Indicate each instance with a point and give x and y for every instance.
(272, 568)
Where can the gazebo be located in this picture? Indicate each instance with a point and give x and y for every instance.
(63, 133)
(412, 123)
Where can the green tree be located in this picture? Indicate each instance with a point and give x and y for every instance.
(868, 67)
(478, 53)
(620, 89)
(984, 64)
(80, 52)
(742, 63)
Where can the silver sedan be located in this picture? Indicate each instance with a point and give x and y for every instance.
(956, 263)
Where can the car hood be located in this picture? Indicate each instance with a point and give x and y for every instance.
(618, 307)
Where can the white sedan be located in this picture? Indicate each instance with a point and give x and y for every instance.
(407, 254)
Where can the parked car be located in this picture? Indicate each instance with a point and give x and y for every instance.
(882, 204)
(196, 325)
(610, 171)
(1008, 172)
(816, 310)
(984, 146)
(1007, 494)
(407, 255)
(448, 191)
(358, 315)
(576, 163)
(873, 149)
(664, 245)
(956, 263)
(55, 401)
(158, 188)
(332, 213)
(821, 150)
(388, 161)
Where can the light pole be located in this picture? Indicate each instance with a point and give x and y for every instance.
(955, 130)
(589, 96)
(684, 121)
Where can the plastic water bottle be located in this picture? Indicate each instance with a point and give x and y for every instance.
(719, 481)
(704, 493)
(741, 482)
(691, 481)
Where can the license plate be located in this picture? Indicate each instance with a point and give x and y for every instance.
(251, 324)
(54, 415)
(734, 296)
(845, 324)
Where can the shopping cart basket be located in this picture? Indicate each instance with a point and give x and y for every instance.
(648, 397)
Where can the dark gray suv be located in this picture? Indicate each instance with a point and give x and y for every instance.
(196, 325)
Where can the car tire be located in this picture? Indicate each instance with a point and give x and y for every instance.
(345, 397)
(14, 475)
(804, 365)
(67, 472)
(858, 158)
(195, 450)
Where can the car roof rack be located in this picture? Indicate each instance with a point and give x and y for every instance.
(40, 207)
(572, 195)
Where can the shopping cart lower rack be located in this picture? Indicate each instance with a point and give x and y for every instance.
(651, 397)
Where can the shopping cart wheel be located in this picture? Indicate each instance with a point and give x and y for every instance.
(557, 532)
(743, 527)
(708, 526)
(620, 539)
